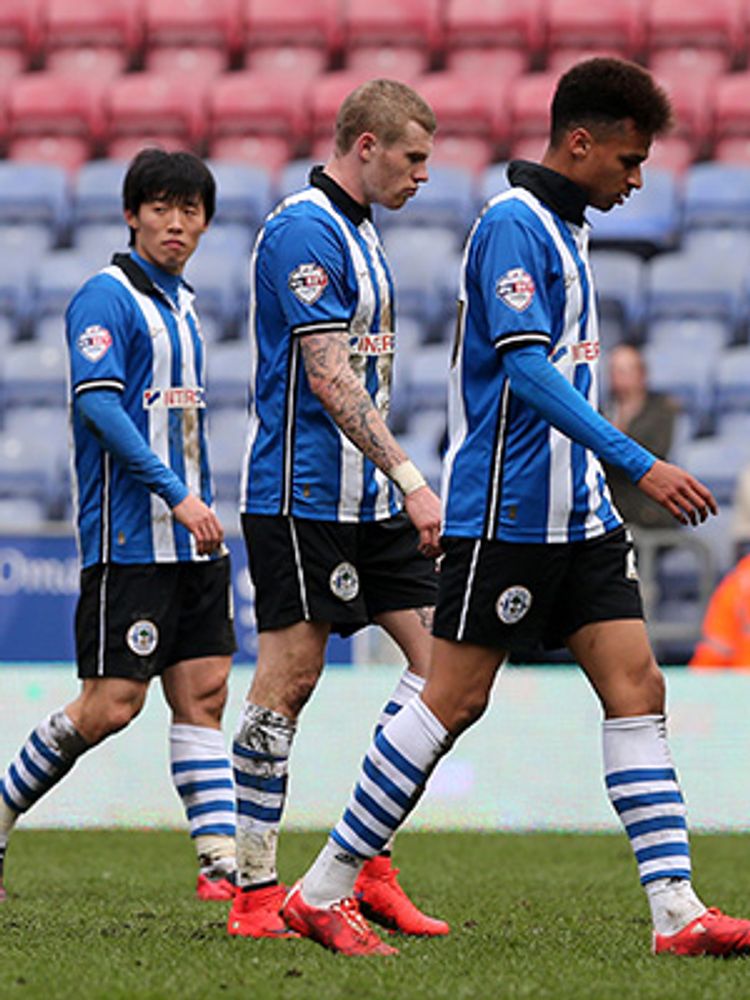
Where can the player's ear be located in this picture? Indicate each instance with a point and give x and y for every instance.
(580, 142)
(131, 218)
(366, 145)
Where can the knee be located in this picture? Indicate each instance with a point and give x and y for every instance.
(642, 693)
(108, 720)
(286, 688)
(456, 713)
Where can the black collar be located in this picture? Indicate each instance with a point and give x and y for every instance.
(352, 209)
(558, 192)
(138, 277)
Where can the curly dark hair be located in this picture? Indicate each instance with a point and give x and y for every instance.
(603, 92)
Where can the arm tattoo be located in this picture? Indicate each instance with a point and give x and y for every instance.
(329, 372)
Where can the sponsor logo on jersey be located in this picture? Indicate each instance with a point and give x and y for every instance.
(585, 350)
(516, 289)
(344, 582)
(142, 637)
(94, 342)
(513, 604)
(308, 282)
(179, 397)
(372, 343)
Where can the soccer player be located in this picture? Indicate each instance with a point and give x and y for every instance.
(155, 579)
(534, 548)
(340, 526)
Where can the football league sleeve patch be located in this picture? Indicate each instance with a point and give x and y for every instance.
(94, 321)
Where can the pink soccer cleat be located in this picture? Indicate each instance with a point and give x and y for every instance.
(713, 933)
(341, 927)
(255, 914)
(216, 887)
(382, 900)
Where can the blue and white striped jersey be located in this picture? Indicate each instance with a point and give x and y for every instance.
(508, 473)
(317, 267)
(132, 328)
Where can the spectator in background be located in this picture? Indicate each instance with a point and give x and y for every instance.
(725, 639)
(646, 416)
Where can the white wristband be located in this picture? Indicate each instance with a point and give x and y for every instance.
(407, 477)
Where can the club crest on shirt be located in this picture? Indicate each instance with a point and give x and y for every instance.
(516, 289)
(513, 604)
(344, 582)
(308, 282)
(142, 637)
(94, 342)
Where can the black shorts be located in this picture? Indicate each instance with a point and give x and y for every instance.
(342, 574)
(134, 621)
(521, 598)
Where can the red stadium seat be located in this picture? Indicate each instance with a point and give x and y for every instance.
(101, 24)
(468, 105)
(529, 105)
(732, 107)
(41, 104)
(297, 60)
(530, 147)
(125, 147)
(688, 59)
(672, 153)
(67, 151)
(140, 104)
(469, 152)
(257, 104)
(736, 150)
(12, 62)
(326, 94)
(267, 151)
(200, 61)
(393, 22)
(718, 26)
(208, 26)
(482, 60)
(20, 28)
(97, 62)
(306, 23)
(607, 26)
(516, 24)
(692, 97)
(397, 62)
(560, 61)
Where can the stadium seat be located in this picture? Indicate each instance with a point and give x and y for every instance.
(428, 386)
(20, 32)
(717, 26)
(25, 240)
(139, 106)
(422, 259)
(302, 61)
(313, 26)
(472, 153)
(63, 108)
(15, 290)
(692, 98)
(528, 105)
(688, 60)
(244, 194)
(673, 154)
(602, 26)
(220, 287)
(467, 106)
(492, 181)
(732, 150)
(97, 192)
(325, 97)
(494, 62)
(686, 375)
(514, 24)
(619, 282)
(732, 107)
(98, 241)
(396, 62)
(716, 461)
(226, 448)
(34, 375)
(690, 283)
(26, 468)
(35, 194)
(228, 374)
(202, 36)
(648, 221)
(256, 104)
(717, 194)
(229, 239)
(109, 30)
(294, 176)
(413, 23)
(559, 61)
(732, 385)
(55, 278)
(268, 151)
(704, 337)
(23, 513)
(449, 200)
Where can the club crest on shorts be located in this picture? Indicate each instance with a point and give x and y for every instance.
(344, 582)
(513, 604)
(308, 282)
(142, 637)
(516, 289)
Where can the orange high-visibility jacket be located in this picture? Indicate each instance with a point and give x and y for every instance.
(726, 626)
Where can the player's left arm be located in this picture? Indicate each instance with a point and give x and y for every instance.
(538, 383)
(327, 366)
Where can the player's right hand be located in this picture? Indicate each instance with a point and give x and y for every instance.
(201, 522)
(423, 508)
(684, 496)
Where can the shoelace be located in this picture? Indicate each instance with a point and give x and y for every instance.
(349, 910)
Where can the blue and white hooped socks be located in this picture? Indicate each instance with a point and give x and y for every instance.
(393, 776)
(644, 790)
(49, 752)
(202, 776)
(260, 754)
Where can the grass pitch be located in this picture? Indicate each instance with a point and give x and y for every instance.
(111, 914)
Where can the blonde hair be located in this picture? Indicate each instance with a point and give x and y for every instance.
(383, 107)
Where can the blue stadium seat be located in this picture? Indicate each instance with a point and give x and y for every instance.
(220, 283)
(619, 282)
(704, 337)
(693, 283)
(450, 199)
(649, 220)
(686, 375)
(97, 192)
(716, 461)
(15, 288)
(35, 193)
(428, 382)
(226, 442)
(99, 240)
(426, 267)
(294, 176)
(24, 240)
(244, 193)
(228, 374)
(493, 180)
(34, 374)
(27, 467)
(732, 385)
(56, 277)
(717, 194)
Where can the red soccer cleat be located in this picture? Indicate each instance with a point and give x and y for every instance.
(341, 927)
(382, 900)
(216, 887)
(713, 933)
(255, 914)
